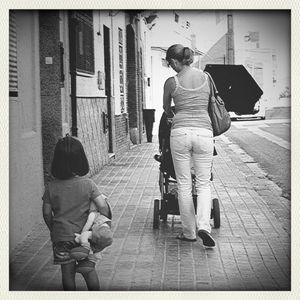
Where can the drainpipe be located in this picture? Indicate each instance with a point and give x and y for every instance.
(139, 76)
(112, 54)
(230, 39)
(72, 37)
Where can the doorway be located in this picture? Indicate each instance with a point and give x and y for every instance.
(107, 69)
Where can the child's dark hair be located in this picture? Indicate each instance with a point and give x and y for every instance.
(183, 54)
(69, 159)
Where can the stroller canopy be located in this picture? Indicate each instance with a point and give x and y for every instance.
(236, 86)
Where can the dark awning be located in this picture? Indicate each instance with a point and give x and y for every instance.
(236, 86)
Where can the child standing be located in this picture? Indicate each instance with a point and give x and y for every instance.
(66, 204)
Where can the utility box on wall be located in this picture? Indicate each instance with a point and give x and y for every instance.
(101, 80)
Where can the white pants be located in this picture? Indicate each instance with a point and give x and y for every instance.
(193, 146)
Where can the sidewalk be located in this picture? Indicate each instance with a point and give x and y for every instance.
(253, 242)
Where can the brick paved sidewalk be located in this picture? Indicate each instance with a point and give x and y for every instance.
(253, 242)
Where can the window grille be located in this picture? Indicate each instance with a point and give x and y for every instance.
(121, 67)
(13, 70)
(85, 61)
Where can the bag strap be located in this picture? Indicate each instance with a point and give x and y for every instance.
(214, 91)
(176, 83)
(176, 80)
(212, 84)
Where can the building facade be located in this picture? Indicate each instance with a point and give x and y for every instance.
(258, 40)
(25, 126)
(76, 72)
(263, 46)
(171, 27)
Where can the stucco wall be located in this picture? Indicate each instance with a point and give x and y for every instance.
(90, 131)
(216, 54)
(274, 39)
(88, 87)
(160, 74)
(51, 106)
(122, 136)
(25, 161)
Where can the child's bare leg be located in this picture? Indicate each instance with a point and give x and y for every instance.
(68, 276)
(92, 280)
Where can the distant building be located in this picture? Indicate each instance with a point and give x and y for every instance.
(171, 27)
(259, 40)
(263, 46)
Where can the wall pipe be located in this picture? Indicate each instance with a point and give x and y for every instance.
(72, 38)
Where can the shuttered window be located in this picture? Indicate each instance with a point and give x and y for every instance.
(85, 42)
(121, 65)
(13, 70)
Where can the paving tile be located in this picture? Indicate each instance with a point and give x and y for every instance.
(253, 243)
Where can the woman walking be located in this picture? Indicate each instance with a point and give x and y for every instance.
(191, 142)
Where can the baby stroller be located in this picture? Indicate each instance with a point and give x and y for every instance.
(168, 204)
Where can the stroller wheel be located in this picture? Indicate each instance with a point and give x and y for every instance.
(156, 214)
(216, 213)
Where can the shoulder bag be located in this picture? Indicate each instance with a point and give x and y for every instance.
(220, 118)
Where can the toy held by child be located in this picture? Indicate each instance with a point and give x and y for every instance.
(66, 206)
(95, 236)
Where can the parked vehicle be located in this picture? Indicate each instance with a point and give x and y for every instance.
(259, 112)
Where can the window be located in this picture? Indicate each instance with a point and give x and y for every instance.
(13, 71)
(220, 15)
(176, 18)
(85, 42)
(121, 67)
(164, 63)
(274, 69)
(120, 36)
(258, 74)
(121, 56)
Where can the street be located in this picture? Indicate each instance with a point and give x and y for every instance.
(268, 143)
(253, 242)
(100, 76)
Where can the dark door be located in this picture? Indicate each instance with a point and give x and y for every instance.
(107, 69)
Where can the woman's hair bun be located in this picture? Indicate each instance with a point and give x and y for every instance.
(187, 56)
(182, 54)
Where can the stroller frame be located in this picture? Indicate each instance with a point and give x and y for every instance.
(168, 204)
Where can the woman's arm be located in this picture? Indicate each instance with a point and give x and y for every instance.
(167, 98)
(47, 214)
